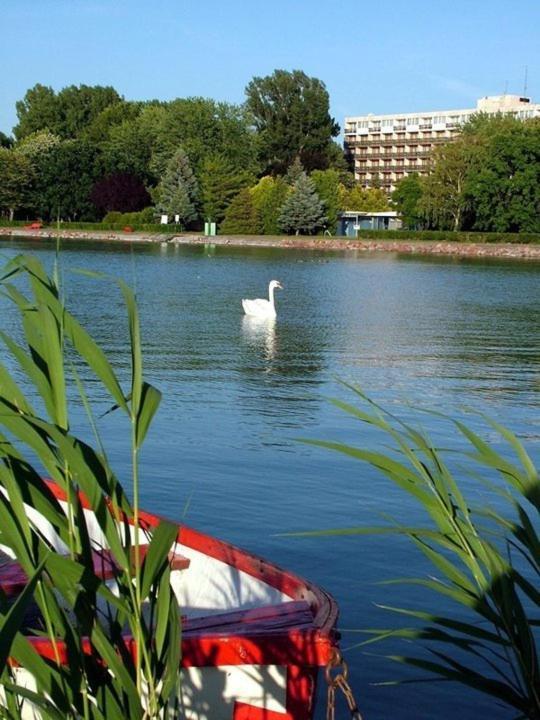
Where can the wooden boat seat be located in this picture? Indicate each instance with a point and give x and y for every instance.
(13, 579)
(106, 568)
(292, 615)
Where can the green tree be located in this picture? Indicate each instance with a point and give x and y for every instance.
(5, 140)
(65, 175)
(303, 210)
(290, 113)
(132, 145)
(241, 217)
(36, 143)
(65, 114)
(38, 110)
(337, 160)
(15, 179)
(364, 200)
(445, 200)
(504, 185)
(178, 191)
(406, 199)
(34, 147)
(205, 128)
(328, 186)
(269, 196)
(220, 181)
(294, 171)
(99, 129)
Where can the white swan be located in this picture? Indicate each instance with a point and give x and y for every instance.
(263, 308)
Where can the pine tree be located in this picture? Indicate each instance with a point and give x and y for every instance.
(294, 171)
(303, 211)
(220, 181)
(241, 217)
(179, 190)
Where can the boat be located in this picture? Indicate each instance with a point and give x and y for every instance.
(254, 636)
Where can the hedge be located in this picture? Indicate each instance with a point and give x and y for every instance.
(450, 236)
(117, 227)
(404, 235)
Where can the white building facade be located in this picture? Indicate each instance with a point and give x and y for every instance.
(387, 148)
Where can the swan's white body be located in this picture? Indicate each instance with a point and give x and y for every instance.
(263, 308)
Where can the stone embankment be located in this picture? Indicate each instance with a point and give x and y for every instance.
(105, 235)
(455, 249)
(529, 252)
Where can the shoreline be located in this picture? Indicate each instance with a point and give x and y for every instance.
(412, 247)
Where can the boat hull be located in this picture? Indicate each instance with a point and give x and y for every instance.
(253, 634)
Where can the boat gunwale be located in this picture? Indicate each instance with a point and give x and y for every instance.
(311, 646)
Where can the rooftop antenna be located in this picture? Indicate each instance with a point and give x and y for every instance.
(525, 81)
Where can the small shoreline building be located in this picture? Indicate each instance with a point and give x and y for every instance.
(387, 148)
(350, 222)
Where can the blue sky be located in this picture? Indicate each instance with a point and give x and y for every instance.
(374, 56)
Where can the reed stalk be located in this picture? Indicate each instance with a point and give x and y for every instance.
(485, 560)
(101, 679)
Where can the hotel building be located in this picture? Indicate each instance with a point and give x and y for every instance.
(390, 147)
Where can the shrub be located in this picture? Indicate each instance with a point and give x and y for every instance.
(113, 217)
(450, 236)
(241, 217)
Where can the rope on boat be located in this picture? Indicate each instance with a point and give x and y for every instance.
(337, 673)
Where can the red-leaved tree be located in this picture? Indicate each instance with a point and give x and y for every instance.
(122, 192)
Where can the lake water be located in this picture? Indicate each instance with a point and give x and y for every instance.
(223, 453)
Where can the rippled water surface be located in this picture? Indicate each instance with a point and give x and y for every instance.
(224, 452)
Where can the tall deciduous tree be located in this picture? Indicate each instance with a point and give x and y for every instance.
(65, 176)
(132, 144)
(38, 110)
(205, 128)
(406, 200)
(99, 129)
(15, 177)
(303, 211)
(445, 200)
(178, 191)
(504, 185)
(65, 114)
(291, 115)
(5, 140)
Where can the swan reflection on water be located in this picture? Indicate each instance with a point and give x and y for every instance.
(260, 332)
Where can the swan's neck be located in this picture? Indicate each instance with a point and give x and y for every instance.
(271, 296)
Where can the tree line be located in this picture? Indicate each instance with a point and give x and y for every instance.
(488, 179)
(270, 165)
(86, 154)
